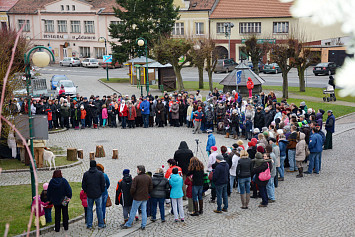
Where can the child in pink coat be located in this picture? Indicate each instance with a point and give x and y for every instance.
(42, 219)
(104, 115)
(84, 202)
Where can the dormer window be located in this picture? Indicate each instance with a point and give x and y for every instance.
(73, 7)
(62, 7)
(68, 7)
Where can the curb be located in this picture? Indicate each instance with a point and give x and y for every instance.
(58, 131)
(344, 116)
(105, 84)
(44, 169)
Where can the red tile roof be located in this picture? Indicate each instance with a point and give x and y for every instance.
(31, 6)
(5, 5)
(251, 9)
(198, 5)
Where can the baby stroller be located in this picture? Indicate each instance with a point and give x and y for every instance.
(329, 94)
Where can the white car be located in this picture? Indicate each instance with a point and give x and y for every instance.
(90, 62)
(69, 87)
(70, 61)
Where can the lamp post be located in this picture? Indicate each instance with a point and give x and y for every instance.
(227, 29)
(143, 42)
(101, 40)
(39, 59)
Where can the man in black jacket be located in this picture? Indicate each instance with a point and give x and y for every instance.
(93, 184)
(123, 194)
(220, 180)
(183, 156)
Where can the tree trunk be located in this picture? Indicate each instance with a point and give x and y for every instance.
(200, 77)
(72, 154)
(115, 154)
(80, 153)
(302, 83)
(210, 82)
(179, 82)
(284, 85)
(256, 67)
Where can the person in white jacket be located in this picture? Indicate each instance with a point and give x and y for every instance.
(233, 171)
(212, 158)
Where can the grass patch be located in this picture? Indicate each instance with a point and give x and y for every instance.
(338, 110)
(193, 86)
(57, 150)
(14, 164)
(15, 206)
(311, 91)
(115, 80)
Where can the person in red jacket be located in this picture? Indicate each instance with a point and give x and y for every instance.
(188, 183)
(172, 165)
(82, 116)
(84, 202)
(250, 86)
(131, 115)
(123, 113)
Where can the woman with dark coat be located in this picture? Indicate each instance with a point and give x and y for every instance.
(158, 194)
(260, 165)
(58, 191)
(160, 113)
(174, 109)
(196, 169)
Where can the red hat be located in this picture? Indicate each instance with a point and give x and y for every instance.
(199, 107)
(214, 148)
(260, 149)
(254, 140)
(249, 79)
(284, 112)
(251, 144)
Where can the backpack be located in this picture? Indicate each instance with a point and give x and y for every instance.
(265, 175)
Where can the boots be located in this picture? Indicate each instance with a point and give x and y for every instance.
(243, 199)
(247, 200)
(227, 135)
(195, 213)
(235, 137)
(300, 175)
(200, 203)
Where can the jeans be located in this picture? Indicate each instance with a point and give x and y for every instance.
(145, 120)
(126, 211)
(270, 189)
(281, 169)
(231, 182)
(124, 120)
(197, 193)
(244, 184)
(178, 209)
(221, 191)
(104, 200)
(314, 161)
(159, 201)
(59, 210)
(100, 219)
(48, 214)
(83, 123)
(135, 205)
(263, 194)
(292, 159)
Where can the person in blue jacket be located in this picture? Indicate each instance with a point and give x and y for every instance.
(315, 147)
(105, 193)
(211, 141)
(176, 182)
(145, 111)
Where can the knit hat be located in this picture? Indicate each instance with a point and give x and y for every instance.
(175, 170)
(266, 133)
(125, 171)
(260, 149)
(330, 111)
(263, 129)
(45, 186)
(209, 131)
(219, 157)
(250, 144)
(92, 163)
(258, 155)
(214, 148)
(244, 153)
(199, 107)
(284, 112)
(240, 142)
(254, 140)
(256, 130)
(302, 103)
(235, 145)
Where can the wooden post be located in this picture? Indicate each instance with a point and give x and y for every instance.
(100, 152)
(115, 154)
(80, 153)
(72, 154)
(92, 155)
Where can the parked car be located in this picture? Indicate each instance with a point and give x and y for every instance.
(271, 68)
(325, 68)
(225, 65)
(110, 65)
(55, 79)
(90, 62)
(260, 66)
(70, 61)
(69, 87)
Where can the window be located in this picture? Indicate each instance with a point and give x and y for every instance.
(115, 22)
(221, 28)
(75, 26)
(73, 7)
(68, 7)
(199, 28)
(27, 25)
(280, 27)
(89, 27)
(62, 7)
(48, 26)
(62, 26)
(178, 28)
(99, 52)
(84, 52)
(250, 27)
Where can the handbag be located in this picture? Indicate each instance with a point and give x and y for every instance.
(307, 151)
(65, 201)
(265, 175)
(108, 202)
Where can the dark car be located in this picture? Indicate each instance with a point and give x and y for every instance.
(55, 79)
(225, 65)
(325, 68)
(260, 66)
(110, 65)
(272, 68)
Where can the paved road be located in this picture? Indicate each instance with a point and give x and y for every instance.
(188, 74)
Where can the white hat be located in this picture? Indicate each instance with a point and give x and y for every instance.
(280, 131)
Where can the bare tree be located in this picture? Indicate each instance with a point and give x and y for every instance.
(255, 51)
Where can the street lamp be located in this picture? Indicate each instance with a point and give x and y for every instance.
(143, 42)
(227, 29)
(39, 59)
(102, 40)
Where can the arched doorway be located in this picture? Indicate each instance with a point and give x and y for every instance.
(222, 52)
